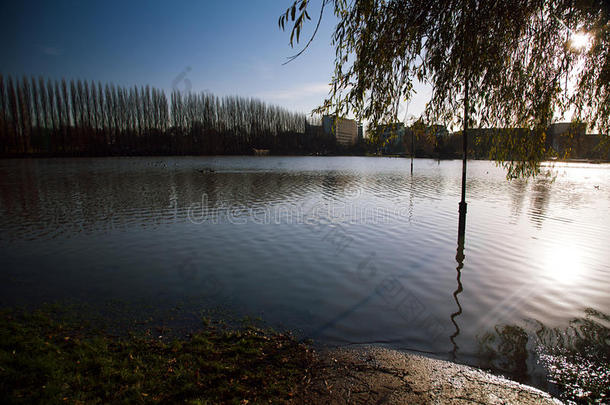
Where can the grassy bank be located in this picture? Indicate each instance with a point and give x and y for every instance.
(47, 358)
(59, 355)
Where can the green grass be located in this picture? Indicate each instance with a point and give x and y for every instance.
(49, 358)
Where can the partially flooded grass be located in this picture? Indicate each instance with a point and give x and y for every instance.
(576, 358)
(47, 356)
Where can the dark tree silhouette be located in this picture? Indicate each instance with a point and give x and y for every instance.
(86, 118)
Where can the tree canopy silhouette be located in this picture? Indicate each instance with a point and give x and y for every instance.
(80, 118)
(524, 61)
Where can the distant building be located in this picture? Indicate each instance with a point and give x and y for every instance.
(395, 139)
(391, 138)
(439, 131)
(562, 128)
(563, 140)
(482, 141)
(344, 130)
(566, 138)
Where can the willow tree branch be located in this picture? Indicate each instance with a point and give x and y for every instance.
(293, 57)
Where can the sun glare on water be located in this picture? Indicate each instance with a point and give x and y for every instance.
(564, 265)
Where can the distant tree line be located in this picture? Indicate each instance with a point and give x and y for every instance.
(80, 118)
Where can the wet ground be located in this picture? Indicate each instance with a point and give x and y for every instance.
(374, 375)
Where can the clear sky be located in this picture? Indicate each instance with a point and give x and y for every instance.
(226, 47)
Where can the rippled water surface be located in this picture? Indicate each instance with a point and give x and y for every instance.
(342, 249)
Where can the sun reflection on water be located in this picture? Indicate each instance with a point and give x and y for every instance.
(564, 264)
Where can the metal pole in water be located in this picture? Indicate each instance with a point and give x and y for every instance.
(412, 149)
(461, 229)
(463, 205)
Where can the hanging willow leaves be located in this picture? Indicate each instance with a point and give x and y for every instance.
(519, 58)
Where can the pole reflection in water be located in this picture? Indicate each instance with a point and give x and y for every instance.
(459, 257)
(462, 224)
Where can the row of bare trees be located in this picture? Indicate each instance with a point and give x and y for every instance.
(57, 117)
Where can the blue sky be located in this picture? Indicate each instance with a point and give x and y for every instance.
(224, 47)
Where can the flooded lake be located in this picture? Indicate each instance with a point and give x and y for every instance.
(343, 250)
